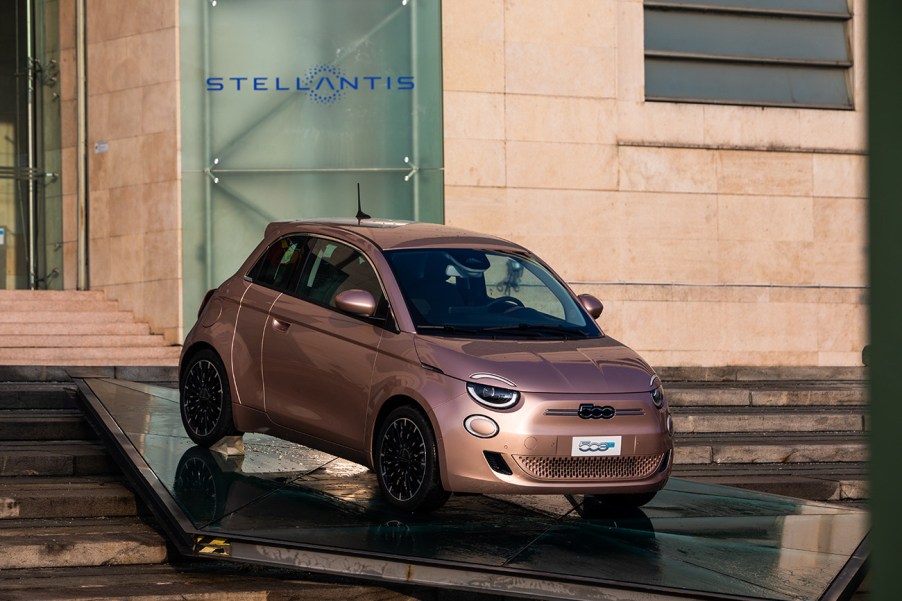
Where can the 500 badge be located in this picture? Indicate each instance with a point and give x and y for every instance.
(595, 446)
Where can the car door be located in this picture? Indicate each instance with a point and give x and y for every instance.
(318, 361)
(271, 275)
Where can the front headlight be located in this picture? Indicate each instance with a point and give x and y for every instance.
(657, 395)
(492, 396)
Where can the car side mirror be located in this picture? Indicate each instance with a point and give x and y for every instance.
(356, 302)
(591, 304)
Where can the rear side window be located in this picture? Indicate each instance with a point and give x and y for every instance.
(279, 265)
(334, 268)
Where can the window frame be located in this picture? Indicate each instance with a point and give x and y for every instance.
(773, 67)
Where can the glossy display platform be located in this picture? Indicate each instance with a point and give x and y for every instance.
(286, 505)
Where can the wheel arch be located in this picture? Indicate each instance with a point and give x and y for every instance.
(192, 350)
(392, 403)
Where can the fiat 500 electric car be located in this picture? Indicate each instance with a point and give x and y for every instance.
(445, 360)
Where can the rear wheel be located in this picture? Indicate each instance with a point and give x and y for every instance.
(406, 459)
(205, 400)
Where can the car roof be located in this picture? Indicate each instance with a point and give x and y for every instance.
(389, 234)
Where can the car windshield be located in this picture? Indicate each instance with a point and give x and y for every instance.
(469, 292)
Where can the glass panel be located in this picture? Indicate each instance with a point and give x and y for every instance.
(334, 269)
(738, 83)
(837, 7)
(279, 262)
(49, 218)
(745, 36)
(30, 188)
(342, 92)
(693, 540)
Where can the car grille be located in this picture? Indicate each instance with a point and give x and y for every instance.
(589, 468)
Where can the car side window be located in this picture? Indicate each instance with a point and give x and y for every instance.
(334, 268)
(276, 268)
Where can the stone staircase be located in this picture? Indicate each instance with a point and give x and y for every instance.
(799, 432)
(61, 501)
(55, 327)
(71, 529)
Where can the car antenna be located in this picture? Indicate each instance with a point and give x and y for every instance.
(360, 214)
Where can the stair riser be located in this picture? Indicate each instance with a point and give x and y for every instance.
(56, 553)
(25, 463)
(28, 306)
(766, 398)
(113, 501)
(41, 317)
(66, 341)
(74, 329)
(28, 356)
(768, 423)
(47, 428)
(36, 397)
(770, 453)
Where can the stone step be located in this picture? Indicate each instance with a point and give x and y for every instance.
(43, 316)
(37, 395)
(34, 425)
(51, 295)
(769, 448)
(54, 458)
(766, 394)
(75, 329)
(29, 544)
(763, 374)
(55, 374)
(769, 419)
(203, 581)
(59, 341)
(101, 355)
(8, 305)
(74, 497)
(832, 482)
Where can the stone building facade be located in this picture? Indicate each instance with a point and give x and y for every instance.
(715, 234)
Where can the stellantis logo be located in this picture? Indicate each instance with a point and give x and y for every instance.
(325, 84)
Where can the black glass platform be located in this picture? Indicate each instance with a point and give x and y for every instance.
(287, 505)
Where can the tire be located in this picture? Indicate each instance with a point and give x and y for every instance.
(627, 501)
(205, 400)
(406, 462)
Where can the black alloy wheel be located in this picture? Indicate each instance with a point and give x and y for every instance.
(406, 460)
(205, 400)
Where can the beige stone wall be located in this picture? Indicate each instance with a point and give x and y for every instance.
(715, 234)
(134, 186)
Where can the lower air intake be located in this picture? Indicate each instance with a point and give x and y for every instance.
(589, 468)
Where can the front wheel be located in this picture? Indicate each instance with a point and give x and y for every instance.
(205, 400)
(406, 459)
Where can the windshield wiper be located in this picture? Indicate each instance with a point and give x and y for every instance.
(540, 328)
(449, 329)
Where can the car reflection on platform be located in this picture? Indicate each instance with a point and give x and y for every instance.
(215, 493)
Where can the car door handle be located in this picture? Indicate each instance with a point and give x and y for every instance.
(280, 326)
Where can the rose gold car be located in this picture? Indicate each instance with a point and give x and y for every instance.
(445, 360)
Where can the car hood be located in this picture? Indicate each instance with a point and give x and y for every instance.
(598, 365)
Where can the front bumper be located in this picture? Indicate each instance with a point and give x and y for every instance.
(536, 448)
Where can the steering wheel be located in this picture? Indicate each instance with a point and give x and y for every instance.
(503, 304)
